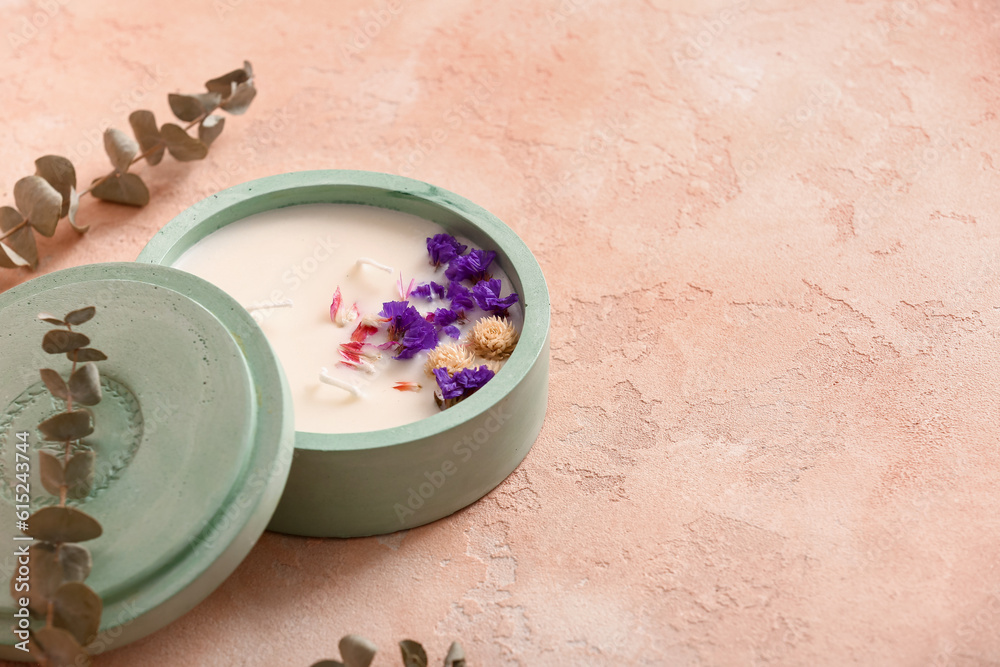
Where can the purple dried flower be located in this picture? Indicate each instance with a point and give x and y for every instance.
(449, 387)
(487, 295)
(444, 316)
(428, 291)
(452, 331)
(461, 297)
(473, 267)
(463, 383)
(421, 335)
(407, 329)
(443, 248)
(395, 311)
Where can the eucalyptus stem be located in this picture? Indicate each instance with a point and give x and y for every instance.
(138, 158)
(20, 225)
(44, 198)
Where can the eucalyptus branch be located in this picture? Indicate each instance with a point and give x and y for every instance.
(356, 651)
(59, 564)
(50, 195)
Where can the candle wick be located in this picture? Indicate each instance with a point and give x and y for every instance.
(371, 262)
(267, 305)
(326, 378)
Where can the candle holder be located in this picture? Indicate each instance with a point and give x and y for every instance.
(192, 441)
(381, 481)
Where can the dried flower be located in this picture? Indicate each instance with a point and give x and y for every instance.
(451, 357)
(367, 327)
(460, 296)
(356, 356)
(473, 267)
(444, 316)
(340, 315)
(443, 248)
(407, 329)
(493, 337)
(444, 319)
(487, 295)
(428, 291)
(407, 386)
(463, 383)
(404, 292)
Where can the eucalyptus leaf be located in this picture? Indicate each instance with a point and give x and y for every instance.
(456, 656)
(223, 85)
(356, 651)
(51, 566)
(75, 561)
(45, 575)
(123, 189)
(59, 341)
(67, 426)
(240, 100)
(60, 648)
(144, 128)
(18, 248)
(192, 107)
(182, 146)
(78, 610)
(328, 663)
(80, 316)
(55, 383)
(51, 319)
(414, 654)
(39, 202)
(121, 148)
(60, 174)
(79, 475)
(74, 206)
(87, 354)
(85, 385)
(50, 469)
(62, 524)
(210, 129)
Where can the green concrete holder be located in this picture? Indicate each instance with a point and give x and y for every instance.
(348, 485)
(193, 439)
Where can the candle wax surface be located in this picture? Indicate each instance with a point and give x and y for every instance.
(303, 253)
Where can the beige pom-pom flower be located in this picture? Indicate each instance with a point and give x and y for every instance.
(491, 364)
(451, 357)
(493, 338)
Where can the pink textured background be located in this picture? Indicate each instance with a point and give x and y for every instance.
(770, 231)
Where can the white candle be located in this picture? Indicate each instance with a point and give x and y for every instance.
(285, 265)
